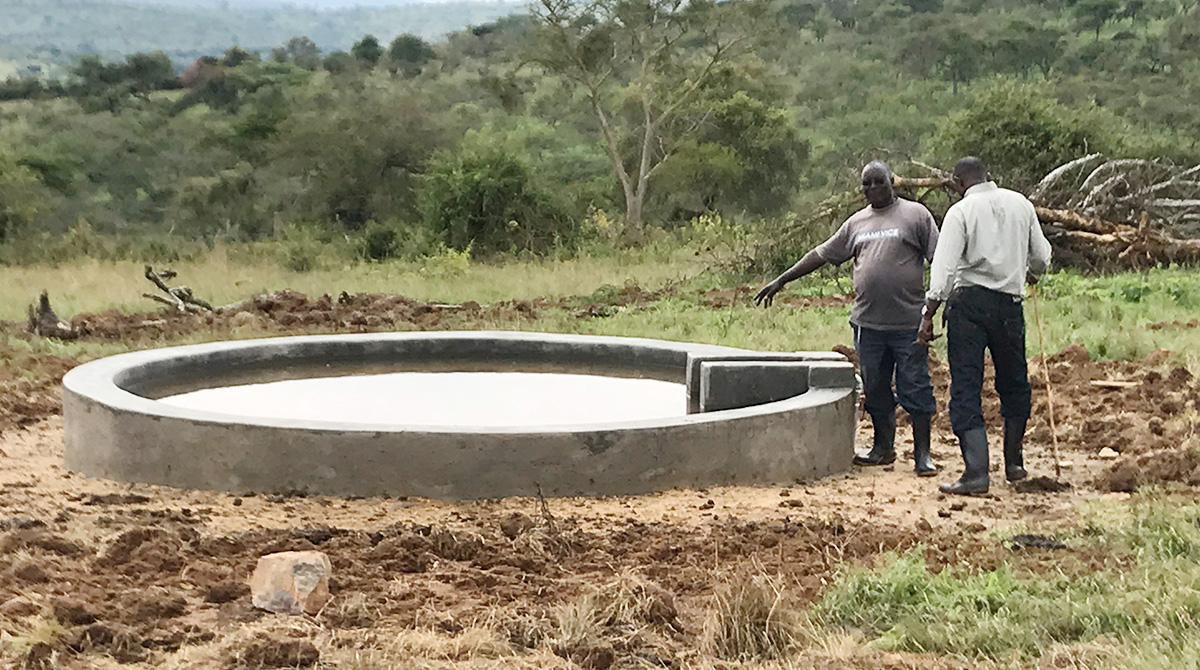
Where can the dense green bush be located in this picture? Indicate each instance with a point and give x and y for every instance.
(1021, 132)
(487, 201)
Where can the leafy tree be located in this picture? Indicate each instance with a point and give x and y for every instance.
(488, 202)
(367, 50)
(235, 56)
(344, 154)
(301, 51)
(561, 159)
(746, 157)
(339, 62)
(1183, 35)
(1095, 14)
(146, 72)
(643, 65)
(101, 86)
(883, 15)
(21, 197)
(1021, 132)
(1023, 45)
(799, 13)
(947, 45)
(407, 53)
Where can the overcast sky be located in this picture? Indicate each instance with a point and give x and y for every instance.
(324, 4)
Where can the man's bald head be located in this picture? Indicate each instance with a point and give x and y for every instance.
(968, 172)
(877, 184)
(877, 167)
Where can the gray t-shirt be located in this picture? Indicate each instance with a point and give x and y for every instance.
(889, 247)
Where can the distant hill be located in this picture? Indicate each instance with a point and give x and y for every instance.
(49, 31)
(276, 4)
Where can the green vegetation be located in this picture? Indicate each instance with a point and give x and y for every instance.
(1149, 610)
(571, 128)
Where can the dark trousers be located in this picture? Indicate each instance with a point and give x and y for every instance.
(976, 319)
(884, 354)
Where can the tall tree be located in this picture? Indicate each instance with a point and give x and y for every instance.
(299, 50)
(408, 53)
(367, 50)
(643, 65)
(1094, 14)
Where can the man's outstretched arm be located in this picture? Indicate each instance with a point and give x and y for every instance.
(811, 261)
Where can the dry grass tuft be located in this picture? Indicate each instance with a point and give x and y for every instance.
(630, 616)
(353, 611)
(470, 643)
(625, 606)
(753, 619)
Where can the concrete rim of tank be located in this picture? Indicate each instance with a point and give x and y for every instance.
(103, 381)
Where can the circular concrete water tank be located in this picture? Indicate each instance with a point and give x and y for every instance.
(753, 418)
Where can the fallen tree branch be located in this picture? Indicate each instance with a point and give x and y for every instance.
(179, 297)
(45, 323)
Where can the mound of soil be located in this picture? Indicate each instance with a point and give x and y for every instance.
(29, 385)
(1129, 407)
(1173, 465)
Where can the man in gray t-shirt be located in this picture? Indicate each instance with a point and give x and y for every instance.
(890, 241)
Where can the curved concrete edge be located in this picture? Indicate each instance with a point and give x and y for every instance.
(131, 382)
(114, 433)
(805, 437)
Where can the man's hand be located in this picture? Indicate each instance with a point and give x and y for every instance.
(925, 332)
(1031, 279)
(767, 294)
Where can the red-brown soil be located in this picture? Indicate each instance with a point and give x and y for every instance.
(147, 576)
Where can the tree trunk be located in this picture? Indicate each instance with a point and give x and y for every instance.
(633, 209)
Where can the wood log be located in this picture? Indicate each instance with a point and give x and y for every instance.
(1075, 221)
(45, 323)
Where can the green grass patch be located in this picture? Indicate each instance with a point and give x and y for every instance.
(1151, 609)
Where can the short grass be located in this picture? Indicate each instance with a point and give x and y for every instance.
(1148, 613)
(1108, 315)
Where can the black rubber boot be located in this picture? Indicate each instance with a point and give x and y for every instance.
(920, 431)
(1014, 456)
(974, 480)
(883, 451)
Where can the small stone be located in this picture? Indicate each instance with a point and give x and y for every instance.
(31, 573)
(1066, 465)
(708, 505)
(73, 612)
(291, 582)
(958, 507)
(21, 523)
(515, 524)
(225, 592)
(243, 319)
(924, 526)
(784, 493)
(237, 502)
(1108, 454)
(19, 606)
(944, 513)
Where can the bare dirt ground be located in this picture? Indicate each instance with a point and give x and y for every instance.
(99, 574)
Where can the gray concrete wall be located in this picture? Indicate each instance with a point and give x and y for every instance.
(114, 432)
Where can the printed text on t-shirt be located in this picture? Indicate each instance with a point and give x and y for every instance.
(870, 235)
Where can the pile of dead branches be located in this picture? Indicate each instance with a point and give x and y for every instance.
(1100, 215)
(1121, 190)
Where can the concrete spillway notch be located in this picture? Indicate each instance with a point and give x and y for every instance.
(745, 418)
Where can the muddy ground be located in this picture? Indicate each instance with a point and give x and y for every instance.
(99, 574)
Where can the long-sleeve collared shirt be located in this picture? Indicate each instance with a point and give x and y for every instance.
(990, 238)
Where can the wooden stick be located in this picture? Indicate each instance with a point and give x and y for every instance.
(1037, 317)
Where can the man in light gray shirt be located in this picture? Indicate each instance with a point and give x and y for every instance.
(991, 243)
(889, 240)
